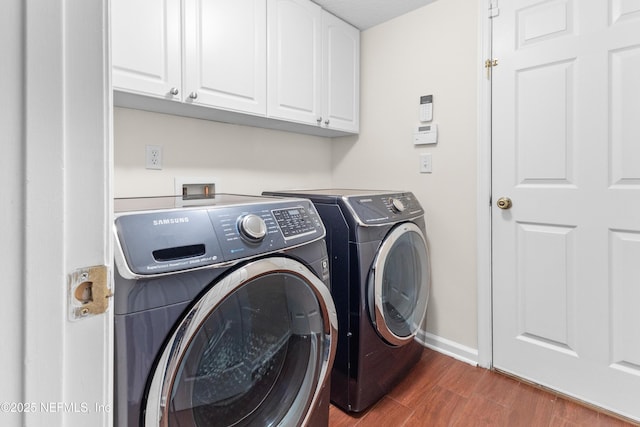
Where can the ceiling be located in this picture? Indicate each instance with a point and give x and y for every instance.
(368, 13)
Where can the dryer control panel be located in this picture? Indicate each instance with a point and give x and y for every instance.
(169, 240)
(295, 221)
(376, 209)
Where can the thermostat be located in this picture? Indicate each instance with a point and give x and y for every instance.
(427, 134)
(426, 108)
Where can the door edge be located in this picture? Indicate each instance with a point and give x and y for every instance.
(483, 221)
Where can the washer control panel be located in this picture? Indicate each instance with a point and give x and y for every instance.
(168, 240)
(384, 208)
(295, 222)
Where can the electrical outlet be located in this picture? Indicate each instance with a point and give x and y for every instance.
(425, 163)
(153, 158)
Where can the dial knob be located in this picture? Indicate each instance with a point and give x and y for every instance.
(396, 205)
(252, 227)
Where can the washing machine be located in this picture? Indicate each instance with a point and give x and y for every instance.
(380, 282)
(223, 315)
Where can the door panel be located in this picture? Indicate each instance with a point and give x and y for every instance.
(625, 253)
(565, 132)
(543, 123)
(625, 128)
(545, 283)
(624, 10)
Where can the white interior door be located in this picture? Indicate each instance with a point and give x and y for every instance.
(566, 151)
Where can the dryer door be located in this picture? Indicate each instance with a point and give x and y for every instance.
(255, 349)
(399, 284)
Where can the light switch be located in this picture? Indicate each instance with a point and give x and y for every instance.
(425, 163)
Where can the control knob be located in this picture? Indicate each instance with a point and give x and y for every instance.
(252, 228)
(396, 205)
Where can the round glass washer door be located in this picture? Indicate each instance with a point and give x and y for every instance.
(399, 284)
(256, 349)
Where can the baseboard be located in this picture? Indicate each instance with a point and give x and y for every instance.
(450, 348)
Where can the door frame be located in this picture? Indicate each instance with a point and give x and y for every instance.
(483, 201)
(61, 182)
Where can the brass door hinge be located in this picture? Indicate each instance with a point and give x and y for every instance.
(493, 9)
(489, 64)
(89, 291)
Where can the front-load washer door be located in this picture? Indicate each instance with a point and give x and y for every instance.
(255, 350)
(399, 282)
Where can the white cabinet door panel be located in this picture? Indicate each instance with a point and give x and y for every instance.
(145, 46)
(341, 74)
(225, 54)
(294, 60)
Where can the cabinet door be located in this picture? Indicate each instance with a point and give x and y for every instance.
(225, 54)
(294, 60)
(340, 74)
(145, 46)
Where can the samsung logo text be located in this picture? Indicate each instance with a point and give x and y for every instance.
(169, 221)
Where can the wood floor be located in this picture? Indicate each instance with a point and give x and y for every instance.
(442, 391)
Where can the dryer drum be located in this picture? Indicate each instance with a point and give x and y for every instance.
(399, 284)
(253, 351)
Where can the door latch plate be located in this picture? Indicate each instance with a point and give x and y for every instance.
(89, 292)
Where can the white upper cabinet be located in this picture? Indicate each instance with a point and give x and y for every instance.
(313, 66)
(145, 46)
(283, 64)
(295, 61)
(225, 54)
(340, 74)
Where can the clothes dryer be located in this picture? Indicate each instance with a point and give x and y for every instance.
(223, 314)
(380, 282)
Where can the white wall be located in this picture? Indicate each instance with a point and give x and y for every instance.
(244, 159)
(429, 51)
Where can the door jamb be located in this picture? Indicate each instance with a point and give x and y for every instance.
(484, 231)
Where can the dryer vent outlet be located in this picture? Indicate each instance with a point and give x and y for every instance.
(198, 191)
(191, 190)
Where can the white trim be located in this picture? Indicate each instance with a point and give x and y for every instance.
(12, 217)
(450, 348)
(67, 365)
(483, 236)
